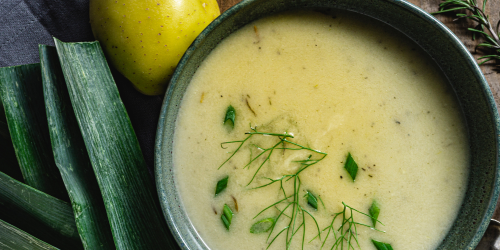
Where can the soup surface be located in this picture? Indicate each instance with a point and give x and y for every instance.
(340, 85)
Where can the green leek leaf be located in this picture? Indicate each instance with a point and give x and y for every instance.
(9, 165)
(71, 157)
(22, 96)
(129, 195)
(13, 238)
(39, 214)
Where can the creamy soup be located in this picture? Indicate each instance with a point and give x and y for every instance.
(340, 85)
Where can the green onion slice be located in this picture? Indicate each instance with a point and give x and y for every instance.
(230, 115)
(351, 167)
(312, 200)
(374, 212)
(262, 226)
(381, 245)
(227, 216)
(221, 185)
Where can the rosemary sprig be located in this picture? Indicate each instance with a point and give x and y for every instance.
(484, 27)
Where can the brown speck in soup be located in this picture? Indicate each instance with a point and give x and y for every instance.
(235, 203)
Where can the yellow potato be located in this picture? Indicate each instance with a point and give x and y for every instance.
(145, 39)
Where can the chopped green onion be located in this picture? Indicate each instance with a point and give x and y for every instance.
(226, 222)
(221, 185)
(262, 226)
(351, 167)
(381, 245)
(230, 115)
(227, 216)
(312, 200)
(374, 212)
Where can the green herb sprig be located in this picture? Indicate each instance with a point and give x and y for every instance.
(483, 28)
(292, 202)
(282, 140)
(347, 233)
(290, 206)
(297, 216)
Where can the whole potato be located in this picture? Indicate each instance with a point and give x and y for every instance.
(145, 39)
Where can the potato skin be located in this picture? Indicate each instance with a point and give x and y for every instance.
(145, 39)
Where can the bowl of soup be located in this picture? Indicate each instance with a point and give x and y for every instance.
(327, 124)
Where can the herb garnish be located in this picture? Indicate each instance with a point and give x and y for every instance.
(351, 166)
(374, 212)
(230, 116)
(311, 200)
(290, 205)
(477, 14)
(221, 185)
(227, 216)
(282, 139)
(262, 226)
(347, 232)
(381, 245)
(298, 212)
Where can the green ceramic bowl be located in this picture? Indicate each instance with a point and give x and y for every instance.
(446, 49)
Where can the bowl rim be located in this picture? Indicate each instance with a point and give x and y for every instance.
(181, 239)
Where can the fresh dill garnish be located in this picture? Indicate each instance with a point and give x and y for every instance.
(262, 226)
(483, 27)
(297, 217)
(227, 216)
(381, 245)
(221, 185)
(290, 207)
(281, 139)
(230, 116)
(374, 211)
(347, 233)
(351, 166)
